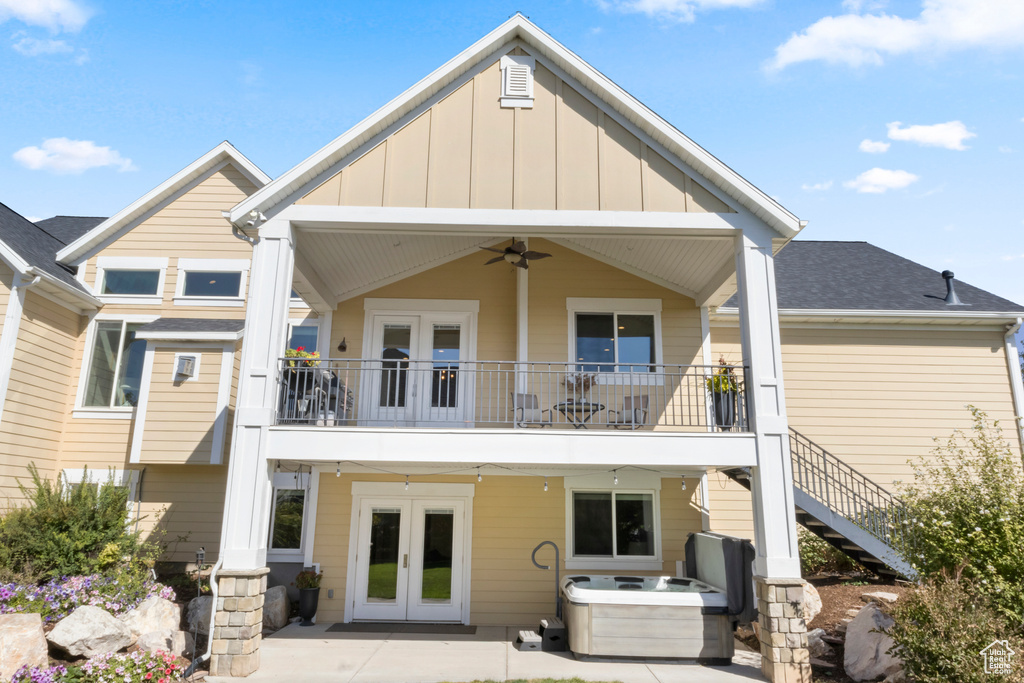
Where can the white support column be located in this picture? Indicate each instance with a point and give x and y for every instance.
(249, 488)
(9, 333)
(522, 324)
(772, 480)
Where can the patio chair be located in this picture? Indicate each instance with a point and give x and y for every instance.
(528, 412)
(633, 414)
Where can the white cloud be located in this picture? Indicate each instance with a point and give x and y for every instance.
(55, 15)
(816, 187)
(33, 219)
(944, 25)
(872, 147)
(675, 10)
(950, 135)
(32, 47)
(61, 155)
(879, 180)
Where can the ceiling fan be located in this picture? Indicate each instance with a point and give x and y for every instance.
(516, 254)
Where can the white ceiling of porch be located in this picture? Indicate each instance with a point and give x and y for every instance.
(348, 264)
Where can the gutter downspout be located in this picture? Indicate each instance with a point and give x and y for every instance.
(213, 614)
(1016, 381)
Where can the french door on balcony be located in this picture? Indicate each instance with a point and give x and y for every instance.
(414, 377)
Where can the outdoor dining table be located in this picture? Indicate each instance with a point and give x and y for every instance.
(578, 413)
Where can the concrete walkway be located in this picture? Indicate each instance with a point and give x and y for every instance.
(312, 655)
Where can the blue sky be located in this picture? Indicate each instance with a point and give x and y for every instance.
(900, 123)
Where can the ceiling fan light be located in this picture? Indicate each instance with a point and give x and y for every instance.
(512, 257)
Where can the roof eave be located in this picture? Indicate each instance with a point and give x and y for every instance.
(894, 315)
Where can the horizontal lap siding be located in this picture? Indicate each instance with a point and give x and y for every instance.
(185, 506)
(511, 515)
(878, 398)
(38, 395)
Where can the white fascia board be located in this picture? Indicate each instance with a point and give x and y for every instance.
(912, 317)
(12, 259)
(519, 27)
(190, 336)
(78, 249)
(67, 295)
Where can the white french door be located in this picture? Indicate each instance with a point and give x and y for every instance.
(415, 377)
(410, 559)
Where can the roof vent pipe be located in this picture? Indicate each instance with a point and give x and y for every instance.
(951, 298)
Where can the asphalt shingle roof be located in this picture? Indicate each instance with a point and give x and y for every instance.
(860, 276)
(67, 229)
(35, 245)
(193, 325)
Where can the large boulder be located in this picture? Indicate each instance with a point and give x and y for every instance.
(90, 631)
(153, 614)
(867, 644)
(276, 608)
(197, 615)
(176, 642)
(22, 643)
(812, 602)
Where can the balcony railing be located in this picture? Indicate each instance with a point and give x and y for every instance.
(498, 394)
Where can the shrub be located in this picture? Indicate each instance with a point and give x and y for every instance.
(941, 628)
(69, 530)
(966, 515)
(817, 556)
(135, 667)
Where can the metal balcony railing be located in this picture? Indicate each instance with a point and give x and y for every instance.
(503, 394)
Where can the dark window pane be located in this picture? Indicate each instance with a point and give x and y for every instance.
(634, 522)
(395, 365)
(209, 283)
(592, 524)
(130, 375)
(130, 281)
(100, 384)
(382, 582)
(304, 336)
(445, 380)
(288, 504)
(438, 543)
(595, 343)
(636, 342)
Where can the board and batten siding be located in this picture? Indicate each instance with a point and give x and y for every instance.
(511, 515)
(466, 151)
(876, 398)
(39, 394)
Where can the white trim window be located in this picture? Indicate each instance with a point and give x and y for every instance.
(289, 516)
(121, 478)
(114, 365)
(615, 335)
(211, 282)
(614, 527)
(130, 279)
(304, 334)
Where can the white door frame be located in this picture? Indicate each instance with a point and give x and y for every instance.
(396, 491)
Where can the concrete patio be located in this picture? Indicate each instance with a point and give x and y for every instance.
(312, 654)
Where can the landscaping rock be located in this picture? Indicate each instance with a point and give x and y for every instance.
(866, 657)
(812, 602)
(153, 614)
(853, 612)
(90, 631)
(276, 608)
(817, 646)
(881, 597)
(822, 663)
(197, 614)
(176, 642)
(21, 643)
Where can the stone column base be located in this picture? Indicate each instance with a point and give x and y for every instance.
(782, 630)
(238, 622)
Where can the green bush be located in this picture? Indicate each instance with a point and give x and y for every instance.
(941, 628)
(966, 515)
(69, 530)
(817, 556)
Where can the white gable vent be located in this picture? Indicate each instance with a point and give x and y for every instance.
(517, 81)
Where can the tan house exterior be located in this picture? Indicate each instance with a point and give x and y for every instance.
(380, 234)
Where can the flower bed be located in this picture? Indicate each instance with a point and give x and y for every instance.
(135, 667)
(58, 598)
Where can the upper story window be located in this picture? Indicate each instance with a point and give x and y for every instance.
(304, 335)
(609, 335)
(130, 280)
(114, 365)
(211, 282)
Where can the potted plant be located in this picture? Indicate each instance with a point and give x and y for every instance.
(579, 384)
(308, 583)
(301, 358)
(724, 388)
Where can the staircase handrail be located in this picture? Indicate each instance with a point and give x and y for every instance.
(848, 493)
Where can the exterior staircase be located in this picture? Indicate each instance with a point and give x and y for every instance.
(844, 508)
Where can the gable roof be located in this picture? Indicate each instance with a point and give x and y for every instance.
(857, 276)
(520, 28)
(192, 329)
(81, 247)
(67, 229)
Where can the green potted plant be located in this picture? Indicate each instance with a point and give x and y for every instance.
(308, 583)
(724, 386)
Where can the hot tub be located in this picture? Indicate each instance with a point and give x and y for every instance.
(690, 617)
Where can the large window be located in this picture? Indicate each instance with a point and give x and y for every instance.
(130, 279)
(115, 365)
(615, 335)
(303, 335)
(130, 282)
(291, 507)
(613, 524)
(211, 282)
